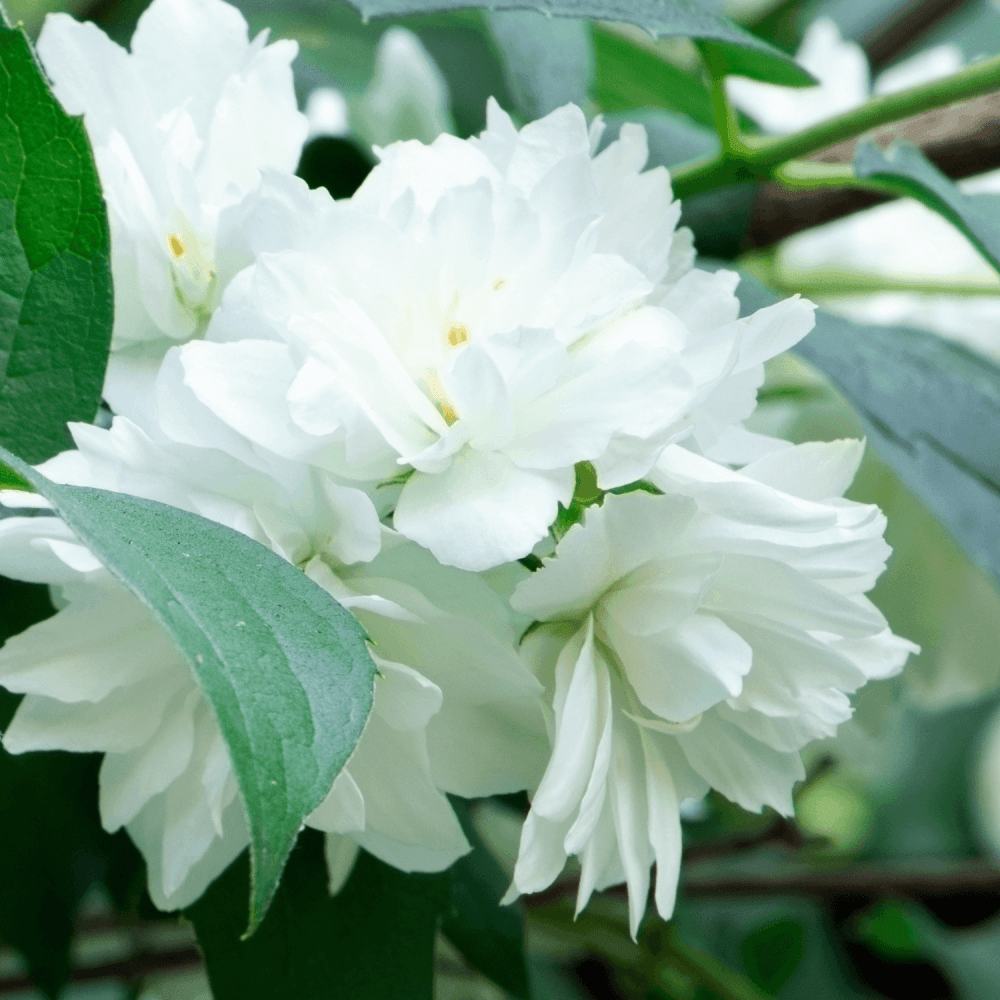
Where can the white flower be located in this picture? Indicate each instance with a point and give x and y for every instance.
(840, 67)
(842, 70)
(407, 97)
(691, 640)
(181, 129)
(904, 241)
(481, 316)
(454, 711)
(326, 110)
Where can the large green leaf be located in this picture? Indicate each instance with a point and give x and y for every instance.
(489, 936)
(284, 666)
(739, 51)
(931, 410)
(549, 61)
(907, 171)
(374, 940)
(56, 306)
(630, 76)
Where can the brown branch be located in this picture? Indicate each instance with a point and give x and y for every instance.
(883, 43)
(127, 969)
(928, 879)
(962, 140)
(873, 881)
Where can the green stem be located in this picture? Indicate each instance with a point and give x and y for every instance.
(839, 281)
(808, 175)
(730, 137)
(752, 158)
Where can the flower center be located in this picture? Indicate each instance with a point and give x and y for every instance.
(192, 271)
(458, 335)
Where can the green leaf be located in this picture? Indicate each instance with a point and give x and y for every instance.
(772, 953)
(489, 936)
(549, 61)
(284, 666)
(630, 76)
(739, 51)
(886, 929)
(908, 172)
(373, 940)
(56, 308)
(930, 409)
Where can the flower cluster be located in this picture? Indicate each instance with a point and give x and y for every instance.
(397, 393)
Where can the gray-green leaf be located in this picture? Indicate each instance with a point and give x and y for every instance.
(56, 307)
(284, 666)
(548, 61)
(741, 52)
(904, 169)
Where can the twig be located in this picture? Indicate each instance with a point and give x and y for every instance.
(873, 881)
(124, 969)
(961, 140)
(893, 36)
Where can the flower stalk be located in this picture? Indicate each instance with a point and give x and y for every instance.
(752, 158)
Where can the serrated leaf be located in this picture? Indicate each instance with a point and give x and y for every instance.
(548, 61)
(908, 172)
(373, 940)
(489, 936)
(56, 308)
(930, 409)
(283, 665)
(739, 51)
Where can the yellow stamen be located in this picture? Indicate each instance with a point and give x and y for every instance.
(176, 246)
(458, 334)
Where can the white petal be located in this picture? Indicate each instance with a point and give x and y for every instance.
(408, 822)
(483, 510)
(816, 470)
(340, 852)
(128, 781)
(343, 809)
(578, 731)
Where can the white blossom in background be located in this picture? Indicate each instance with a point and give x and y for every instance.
(841, 68)
(326, 112)
(900, 241)
(692, 640)
(906, 241)
(478, 318)
(406, 98)
(181, 127)
(454, 710)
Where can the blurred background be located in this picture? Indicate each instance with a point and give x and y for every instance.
(887, 883)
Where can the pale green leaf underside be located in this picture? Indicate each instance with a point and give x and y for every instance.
(741, 52)
(284, 666)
